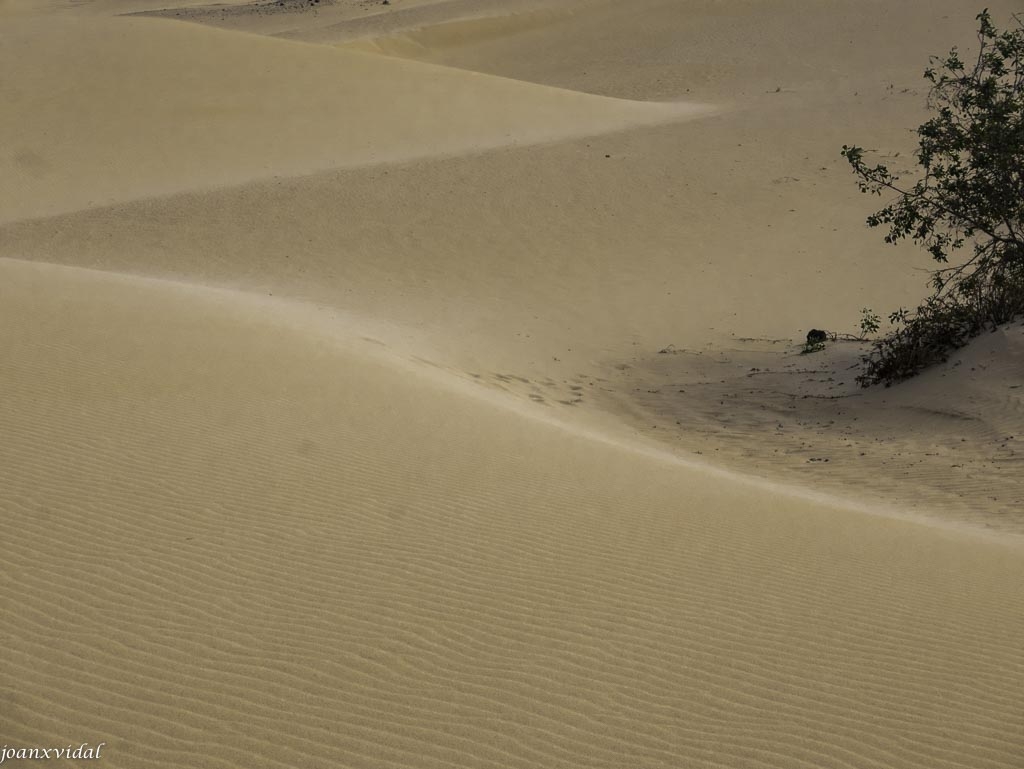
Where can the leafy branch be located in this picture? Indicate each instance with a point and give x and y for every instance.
(971, 192)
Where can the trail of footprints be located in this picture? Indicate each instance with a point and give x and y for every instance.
(568, 392)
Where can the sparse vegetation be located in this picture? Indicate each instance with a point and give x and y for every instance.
(971, 195)
(869, 323)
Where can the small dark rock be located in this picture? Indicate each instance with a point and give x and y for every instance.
(816, 336)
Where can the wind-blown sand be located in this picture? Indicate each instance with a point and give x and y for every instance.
(335, 430)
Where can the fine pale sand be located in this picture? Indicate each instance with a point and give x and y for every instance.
(418, 386)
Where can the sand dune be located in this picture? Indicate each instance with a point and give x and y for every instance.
(234, 543)
(654, 49)
(240, 107)
(555, 273)
(335, 427)
(552, 272)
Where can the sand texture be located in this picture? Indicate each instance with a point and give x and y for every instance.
(419, 386)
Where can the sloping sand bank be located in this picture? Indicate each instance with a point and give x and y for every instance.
(237, 543)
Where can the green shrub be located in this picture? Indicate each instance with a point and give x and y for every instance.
(971, 195)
